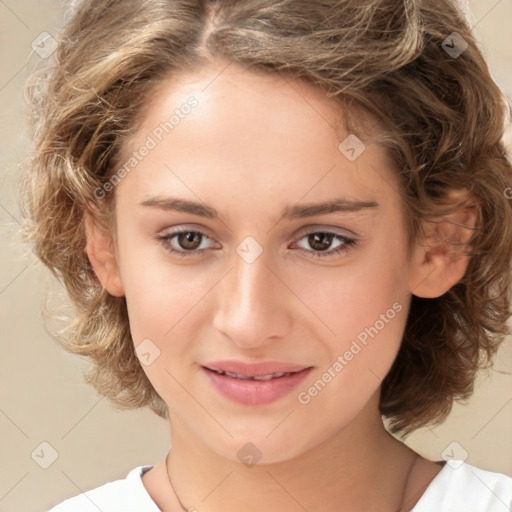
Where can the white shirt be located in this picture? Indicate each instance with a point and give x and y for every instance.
(458, 487)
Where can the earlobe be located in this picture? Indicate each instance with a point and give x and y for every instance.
(442, 255)
(100, 250)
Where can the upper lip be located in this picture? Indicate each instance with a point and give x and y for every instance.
(254, 369)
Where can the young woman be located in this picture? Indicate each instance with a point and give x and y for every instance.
(281, 224)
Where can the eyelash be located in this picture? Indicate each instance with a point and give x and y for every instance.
(348, 244)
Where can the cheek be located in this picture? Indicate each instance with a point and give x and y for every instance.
(368, 325)
(353, 296)
(365, 307)
(158, 291)
(157, 306)
(161, 311)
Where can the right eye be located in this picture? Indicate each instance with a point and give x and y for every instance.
(184, 242)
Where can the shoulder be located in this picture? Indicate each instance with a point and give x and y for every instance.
(126, 494)
(460, 486)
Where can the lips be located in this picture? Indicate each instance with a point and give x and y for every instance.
(254, 384)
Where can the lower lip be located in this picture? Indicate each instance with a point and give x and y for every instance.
(255, 392)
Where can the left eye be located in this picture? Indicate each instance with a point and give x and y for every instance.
(189, 243)
(320, 239)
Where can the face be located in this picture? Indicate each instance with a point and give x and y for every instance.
(326, 289)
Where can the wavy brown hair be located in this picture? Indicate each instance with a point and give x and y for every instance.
(442, 119)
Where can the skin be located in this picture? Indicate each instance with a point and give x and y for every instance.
(255, 144)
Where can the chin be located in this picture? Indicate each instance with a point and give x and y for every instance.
(257, 448)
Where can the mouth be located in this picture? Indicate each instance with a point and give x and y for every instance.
(241, 369)
(270, 376)
(256, 385)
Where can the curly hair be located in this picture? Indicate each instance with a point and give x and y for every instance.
(413, 65)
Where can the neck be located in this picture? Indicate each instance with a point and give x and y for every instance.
(360, 467)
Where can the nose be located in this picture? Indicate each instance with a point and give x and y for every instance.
(253, 303)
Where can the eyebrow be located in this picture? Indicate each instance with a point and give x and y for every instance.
(339, 204)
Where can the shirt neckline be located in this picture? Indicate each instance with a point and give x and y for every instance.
(139, 471)
(434, 483)
(140, 499)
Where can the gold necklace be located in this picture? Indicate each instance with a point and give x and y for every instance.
(415, 460)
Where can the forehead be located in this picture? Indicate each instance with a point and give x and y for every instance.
(248, 134)
(229, 97)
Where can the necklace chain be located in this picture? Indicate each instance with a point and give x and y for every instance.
(169, 478)
(401, 499)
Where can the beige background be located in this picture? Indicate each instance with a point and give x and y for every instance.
(43, 397)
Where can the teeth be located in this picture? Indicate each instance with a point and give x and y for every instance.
(236, 376)
(260, 377)
(268, 377)
(246, 377)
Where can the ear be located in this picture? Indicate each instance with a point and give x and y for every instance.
(100, 250)
(441, 256)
